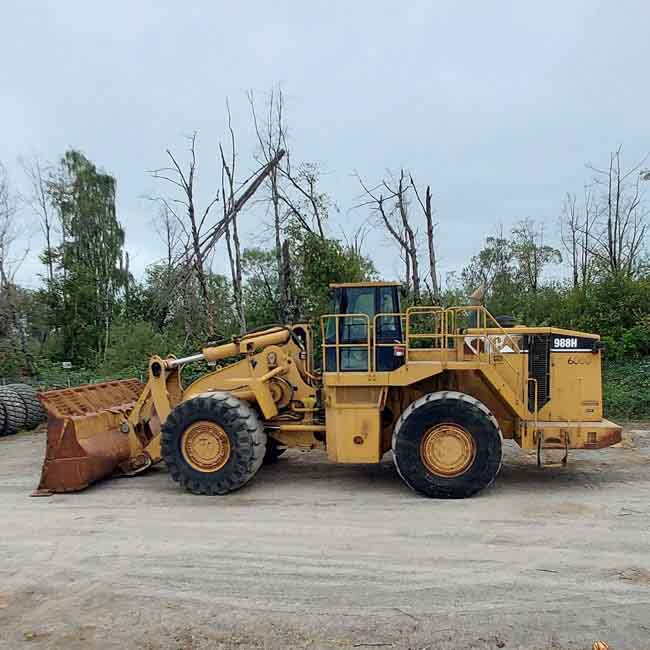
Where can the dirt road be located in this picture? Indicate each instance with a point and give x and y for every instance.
(312, 555)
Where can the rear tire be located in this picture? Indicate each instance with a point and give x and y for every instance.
(15, 411)
(35, 413)
(237, 437)
(447, 445)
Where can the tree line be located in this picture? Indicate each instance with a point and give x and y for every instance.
(91, 311)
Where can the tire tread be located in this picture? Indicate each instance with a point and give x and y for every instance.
(15, 410)
(478, 410)
(248, 444)
(35, 413)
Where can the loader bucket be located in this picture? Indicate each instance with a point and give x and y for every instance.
(84, 440)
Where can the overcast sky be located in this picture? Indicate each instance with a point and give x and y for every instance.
(498, 105)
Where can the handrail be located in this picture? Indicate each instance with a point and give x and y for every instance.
(387, 314)
(482, 311)
(433, 310)
(444, 330)
(337, 344)
(482, 328)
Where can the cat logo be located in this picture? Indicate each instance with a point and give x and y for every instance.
(575, 361)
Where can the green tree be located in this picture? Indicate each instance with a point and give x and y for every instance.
(261, 287)
(132, 343)
(172, 301)
(494, 269)
(89, 276)
(317, 262)
(531, 256)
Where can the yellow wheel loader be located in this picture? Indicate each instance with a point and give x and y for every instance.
(439, 387)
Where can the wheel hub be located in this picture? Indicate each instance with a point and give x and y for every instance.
(447, 450)
(205, 446)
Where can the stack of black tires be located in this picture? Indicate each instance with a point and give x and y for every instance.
(19, 409)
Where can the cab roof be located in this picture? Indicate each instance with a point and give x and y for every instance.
(345, 285)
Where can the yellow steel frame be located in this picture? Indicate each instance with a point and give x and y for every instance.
(446, 333)
(477, 349)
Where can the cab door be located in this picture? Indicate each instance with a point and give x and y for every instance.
(363, 304)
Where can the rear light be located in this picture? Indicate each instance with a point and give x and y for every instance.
(398, 351)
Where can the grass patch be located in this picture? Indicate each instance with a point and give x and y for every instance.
(626, 389)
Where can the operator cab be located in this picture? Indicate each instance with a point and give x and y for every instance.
(368, 313)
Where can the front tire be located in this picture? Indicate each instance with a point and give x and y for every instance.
(447, 445)
(213, 444)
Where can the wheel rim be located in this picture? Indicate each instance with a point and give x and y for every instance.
(447, 450)
(205, 446)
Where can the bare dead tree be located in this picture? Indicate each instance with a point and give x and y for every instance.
(190, 220)
(434, 288)
(168, 230)
(381, 205)
(311, 206)
(8, 234)
(356, 241)
(11, 324)
(228, 170)
(244, 193)
(403, 208)
(389, 200)
(271, 135)
(405, 256)
(570, 235)
(10, 260)
(620, 208)
(576, 231)
(38, 175)
(202, 234)
(125, 270)
(585, 259)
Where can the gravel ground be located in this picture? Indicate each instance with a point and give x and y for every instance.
(313, 555)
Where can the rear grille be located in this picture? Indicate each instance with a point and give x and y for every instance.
(539, 357)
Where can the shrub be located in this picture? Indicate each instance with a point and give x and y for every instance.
(626, 388)
(131, 345)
